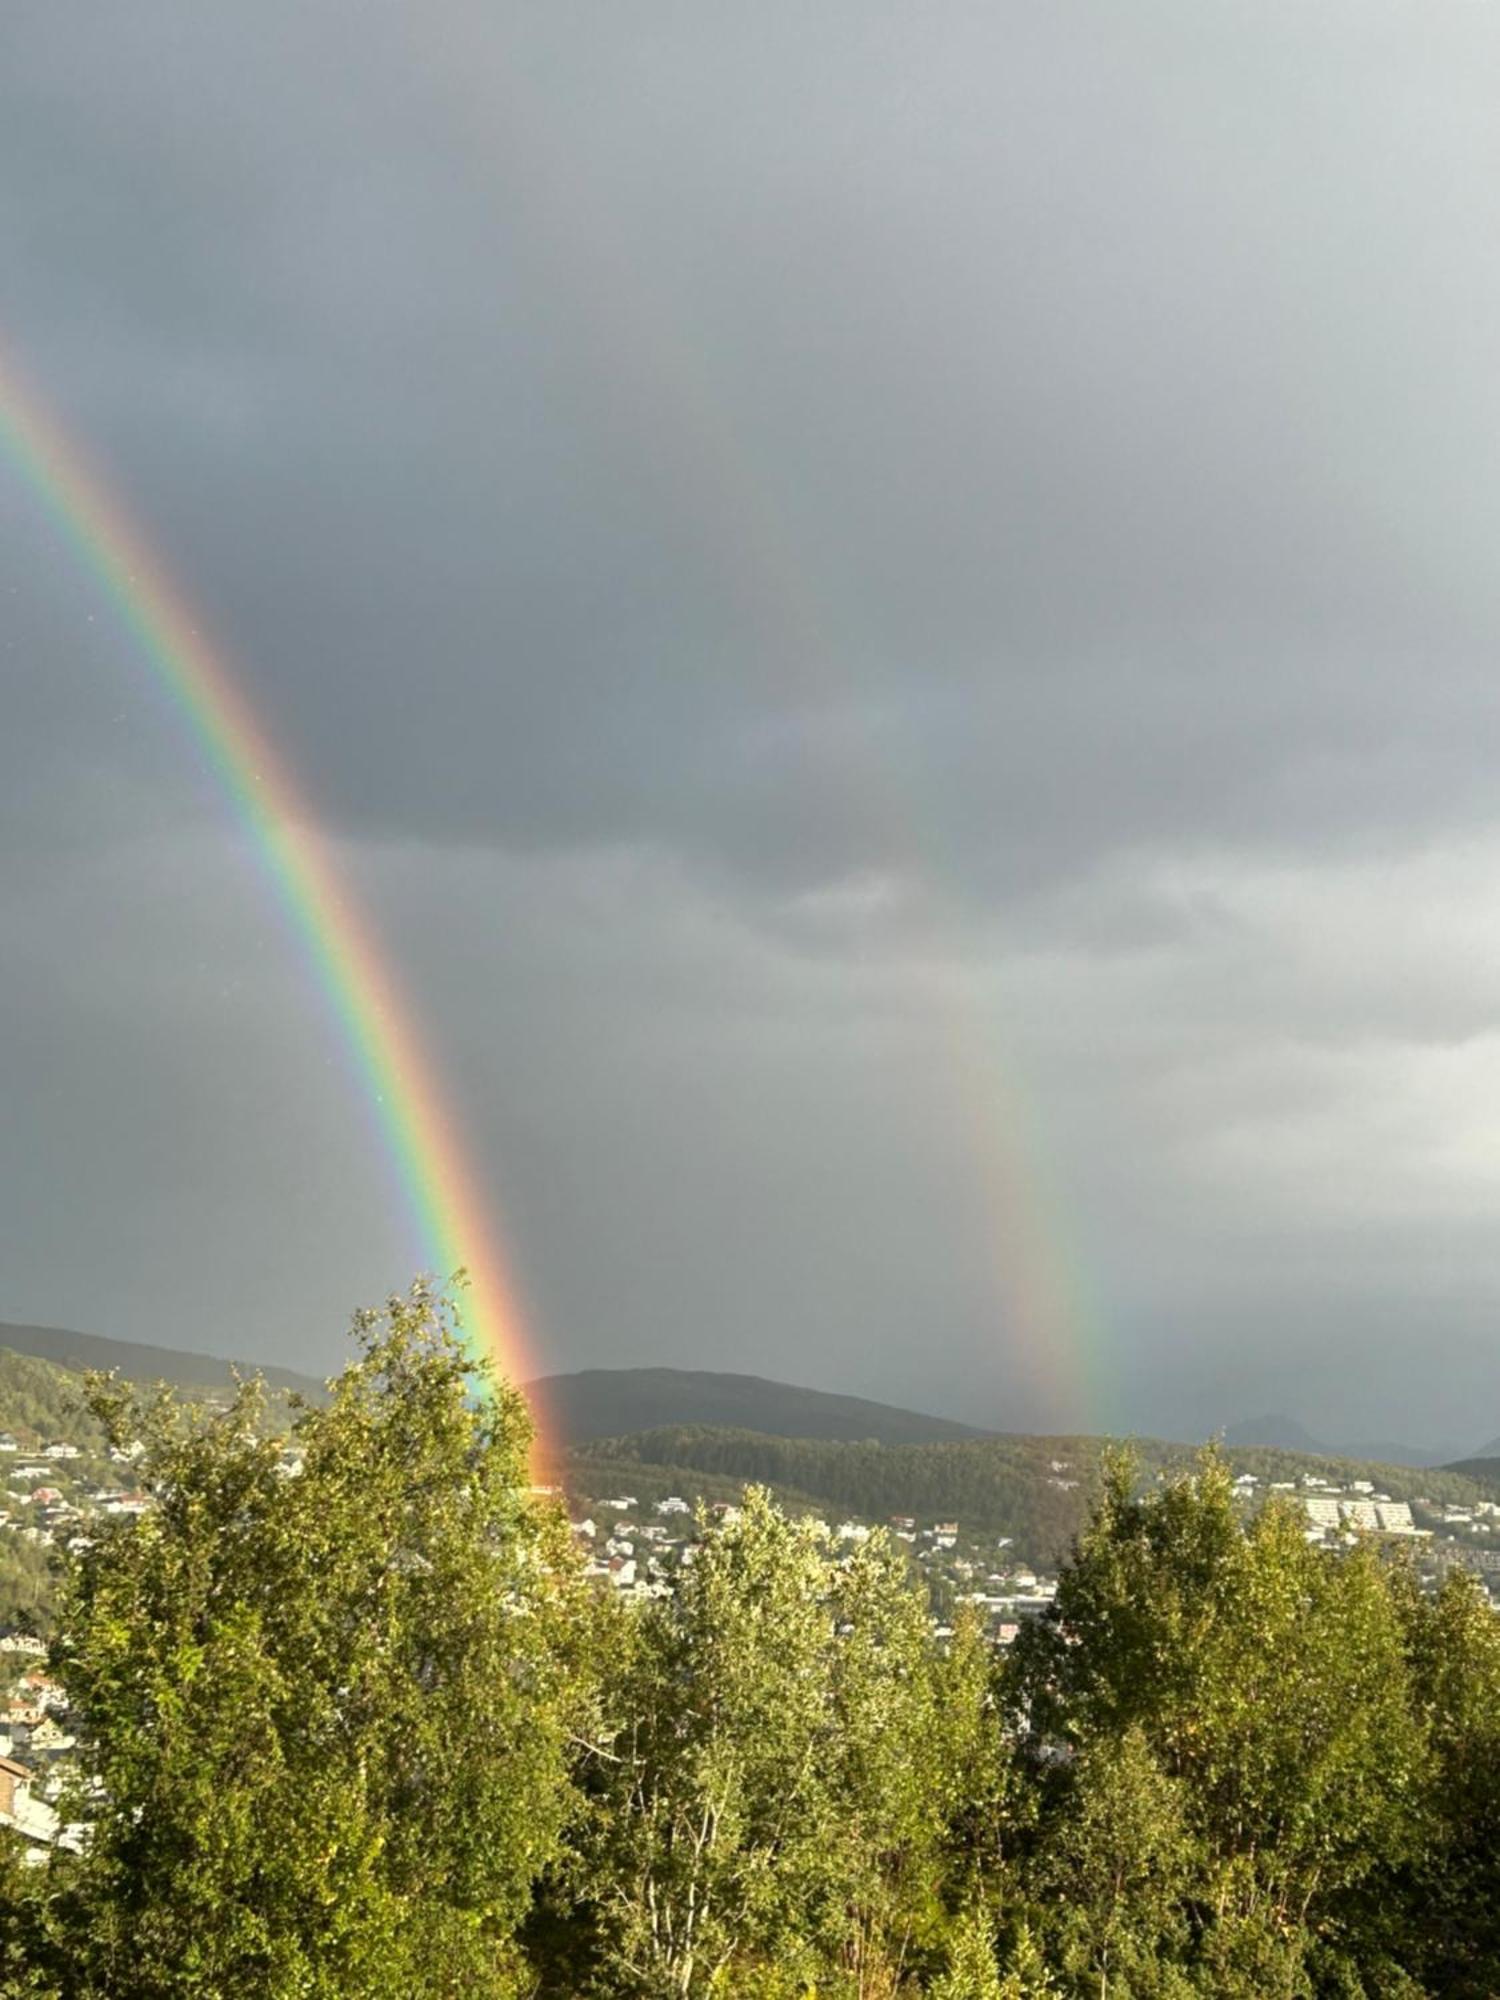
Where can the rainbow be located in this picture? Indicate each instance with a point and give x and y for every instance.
(736, 508)
(373, 1023)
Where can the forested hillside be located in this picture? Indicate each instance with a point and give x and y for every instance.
(1484, 1472)
(40, 1401)
(1034, 1489)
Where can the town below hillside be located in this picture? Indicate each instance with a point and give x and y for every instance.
(987, 1519)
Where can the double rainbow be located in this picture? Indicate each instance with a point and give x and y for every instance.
(371, 1019)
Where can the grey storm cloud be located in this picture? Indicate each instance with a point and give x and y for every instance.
(783, 545)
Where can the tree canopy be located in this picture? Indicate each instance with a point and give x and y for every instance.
(351, 1721)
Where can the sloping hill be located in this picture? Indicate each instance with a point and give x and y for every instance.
(140, 1363)
(1284, 1433)
(39, 1400)
(1001, 1484)
(1485, 1469)
(1036, 1490)
(611, 1402)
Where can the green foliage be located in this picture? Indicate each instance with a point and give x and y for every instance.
(1235, 1745)
(972, 1971)
(324, 1716)
(362, 1731)
(27, 1584)
(1452, 1885)
(788, 1755)
(1117, 1866)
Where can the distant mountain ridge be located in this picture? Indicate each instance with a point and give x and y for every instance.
(617, 1402)
(1283, 1433)
(589, 1404)
(1278, 1432)
(138, 1362)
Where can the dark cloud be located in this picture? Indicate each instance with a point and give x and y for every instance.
(822, 568)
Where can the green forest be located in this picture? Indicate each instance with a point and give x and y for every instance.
(39, 1400)
(1002, 1484)
(368, 1731)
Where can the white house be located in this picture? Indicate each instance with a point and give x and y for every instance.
(30, 1816)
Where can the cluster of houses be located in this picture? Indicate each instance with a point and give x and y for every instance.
(52, 1492)
(1442, 1534)
(1338, 1513)
(49, 1498)
(34, 1745)
(639, 1550)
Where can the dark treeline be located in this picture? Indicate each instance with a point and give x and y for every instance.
(1000, 1483)
(364, 1731)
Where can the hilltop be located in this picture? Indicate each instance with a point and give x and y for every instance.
(1288, 1434)
(138, 1362)
(614, 1402)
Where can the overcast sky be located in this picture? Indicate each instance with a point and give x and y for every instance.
(893, 611)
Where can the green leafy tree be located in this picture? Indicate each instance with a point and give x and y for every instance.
(1442, 1910)
(324, 1716)
(972, 1971)
(775, 1802)
(1267, 1681)
(1114, 1876)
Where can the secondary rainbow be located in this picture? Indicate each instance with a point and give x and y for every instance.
(810, 636)
(373, 1023)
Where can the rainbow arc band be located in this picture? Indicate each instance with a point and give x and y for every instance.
(372, 1021)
